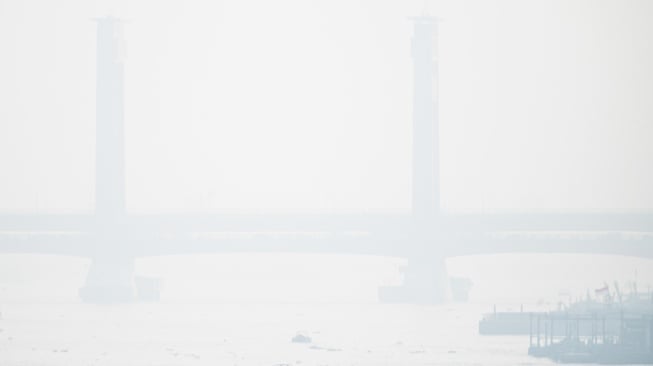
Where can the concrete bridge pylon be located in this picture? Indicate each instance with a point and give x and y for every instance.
(110, 277)
(425, 276)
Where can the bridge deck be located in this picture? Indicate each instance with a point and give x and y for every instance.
(637, 222)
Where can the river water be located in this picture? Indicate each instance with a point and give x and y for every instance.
(252, 334)
(206, 317)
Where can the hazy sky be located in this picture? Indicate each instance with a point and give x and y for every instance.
(305, 106)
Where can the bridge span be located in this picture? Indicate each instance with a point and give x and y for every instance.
(84, 244)
(621, 222)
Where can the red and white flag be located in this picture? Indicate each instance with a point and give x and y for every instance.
(603, 291)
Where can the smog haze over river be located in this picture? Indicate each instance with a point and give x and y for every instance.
(296, 110)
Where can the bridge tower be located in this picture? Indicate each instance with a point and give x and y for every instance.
(110, 275)
(425, 277)
(109, 114)
(426, 164)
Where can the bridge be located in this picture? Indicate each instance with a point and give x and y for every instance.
(112, 238)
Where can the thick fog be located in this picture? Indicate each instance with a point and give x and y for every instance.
(207, 182)
(544, 105)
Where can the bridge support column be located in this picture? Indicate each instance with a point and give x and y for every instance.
(425, 282)
(110, 277)
(425, 277)
(109, 280)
